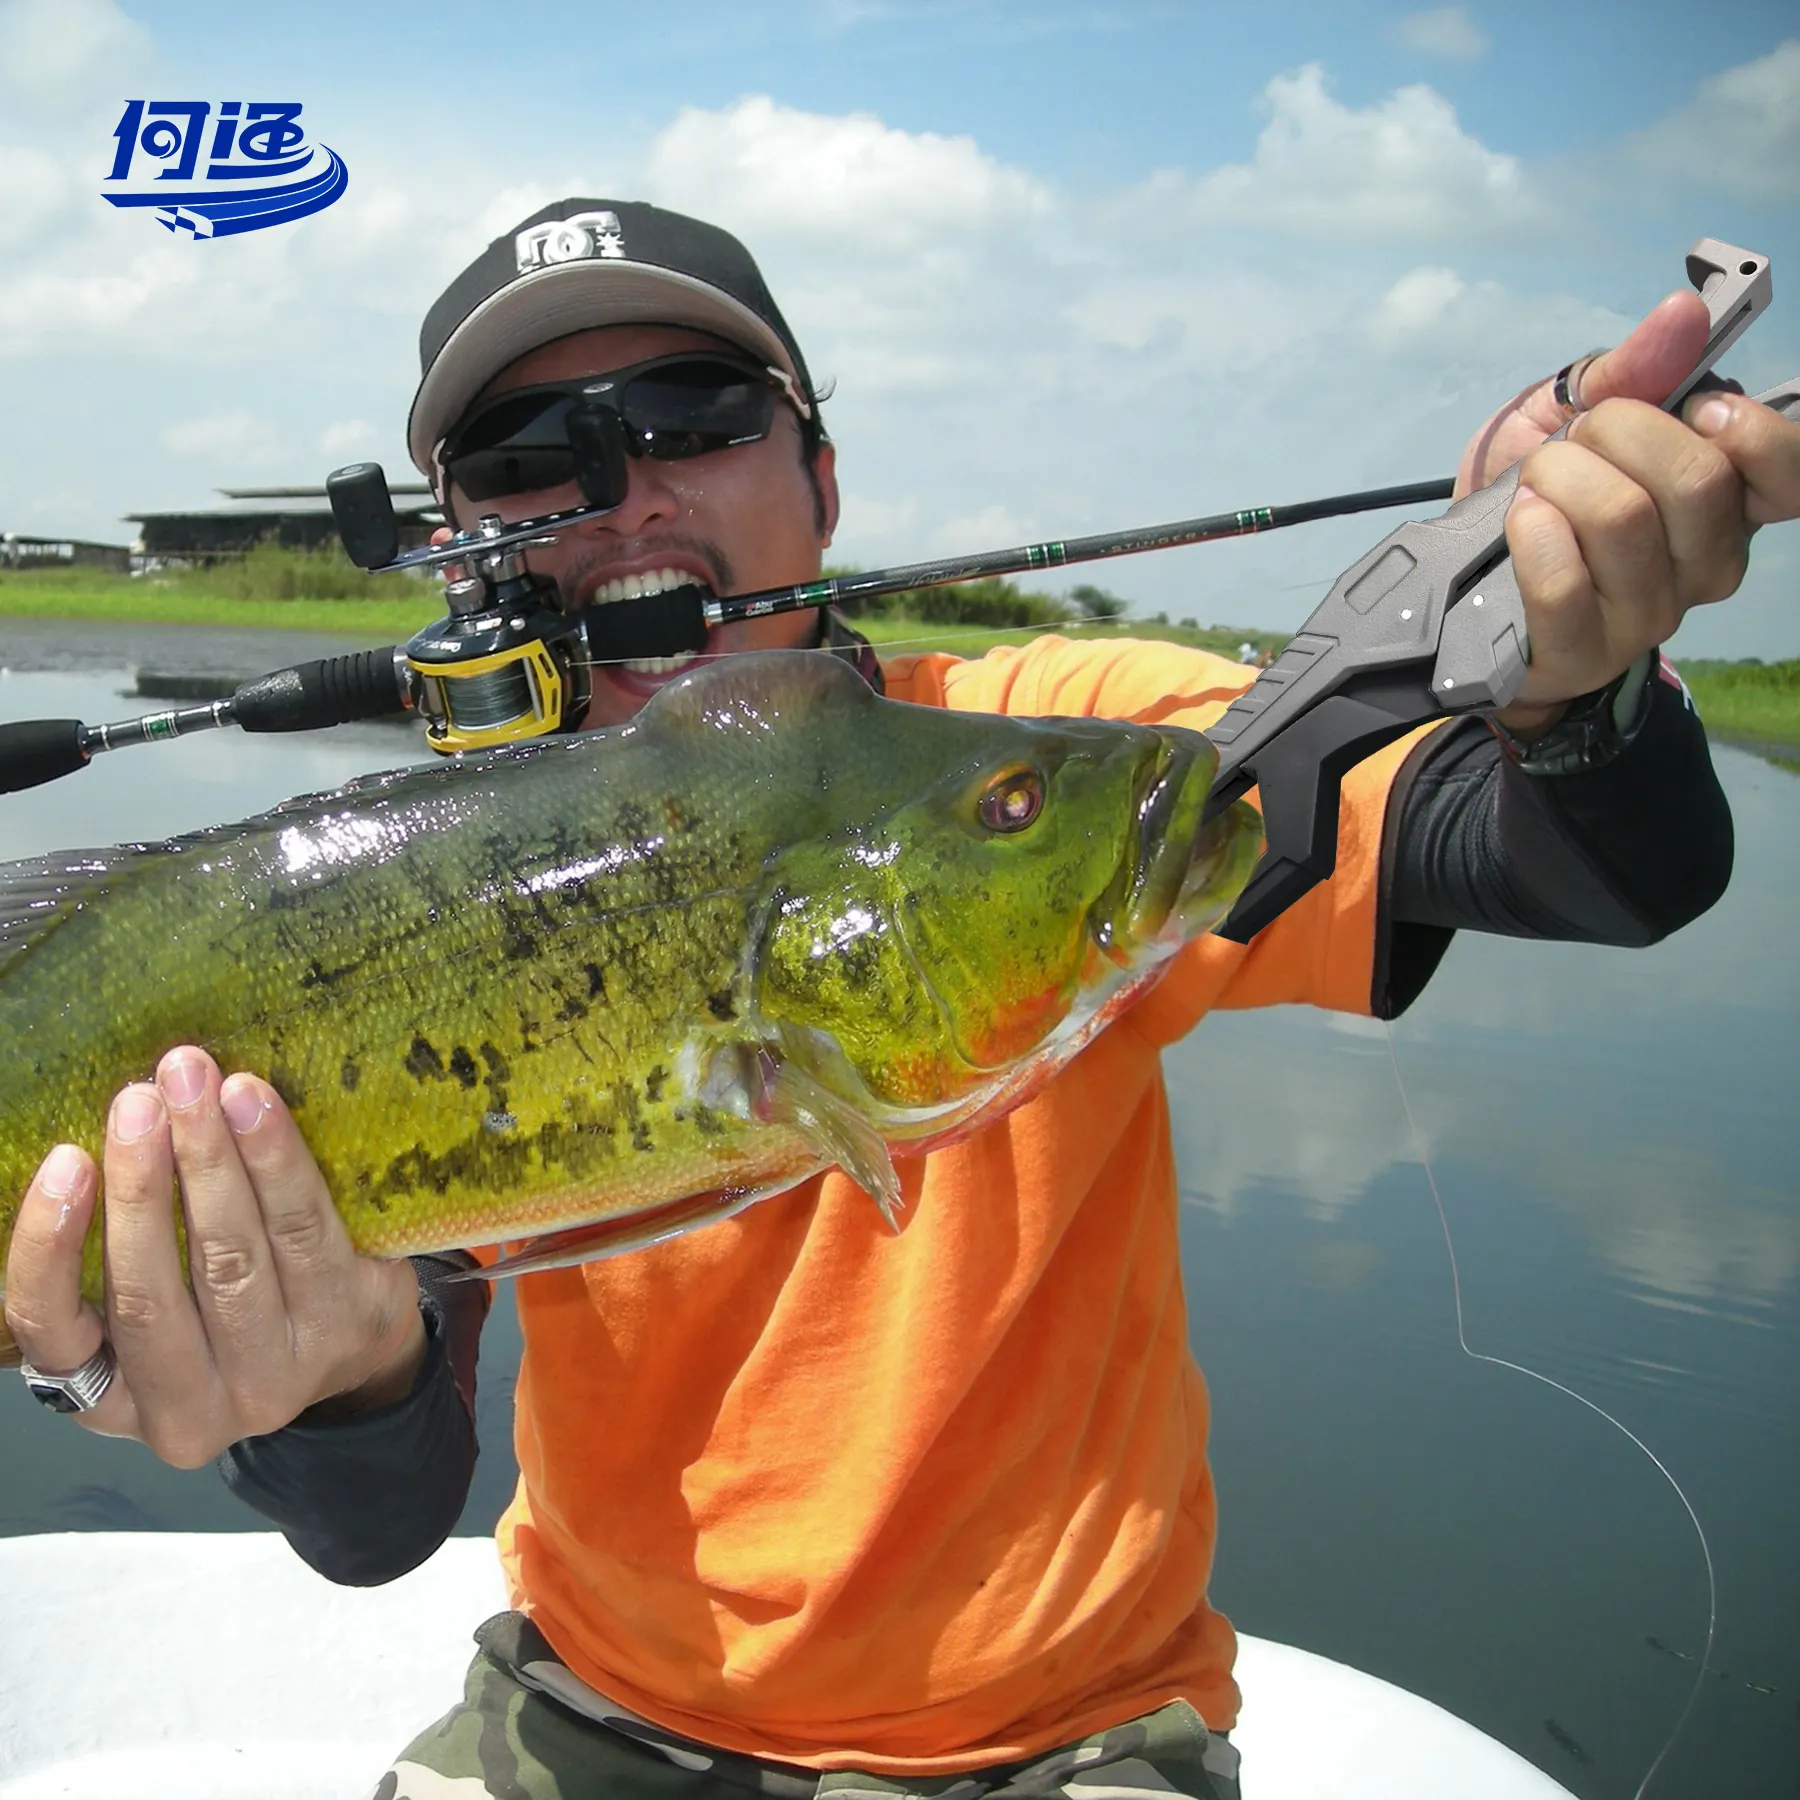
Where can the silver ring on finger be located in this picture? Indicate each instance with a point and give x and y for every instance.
(1565, 386)
(78, 1391)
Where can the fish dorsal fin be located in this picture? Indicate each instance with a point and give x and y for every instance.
(756, 691)
(42, 892)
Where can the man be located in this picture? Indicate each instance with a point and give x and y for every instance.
(929, 1511)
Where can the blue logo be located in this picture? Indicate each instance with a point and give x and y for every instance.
(257, 170)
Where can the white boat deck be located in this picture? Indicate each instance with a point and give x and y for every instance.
(206, 1666)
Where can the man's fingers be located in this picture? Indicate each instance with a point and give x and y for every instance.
(1622, 544)
(1554, 581)
(150, 1314)
(56, 1330)
(1696, 491)
(1656, 358)
(232, 1268)
(307, 1237)
(1763, 446)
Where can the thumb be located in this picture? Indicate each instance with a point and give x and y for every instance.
(1652, 362)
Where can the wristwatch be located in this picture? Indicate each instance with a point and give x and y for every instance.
(1592, 732)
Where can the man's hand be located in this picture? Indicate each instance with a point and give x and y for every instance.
(282, 1313)
(1636, 516)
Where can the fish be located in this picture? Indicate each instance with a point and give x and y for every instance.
(580, 995)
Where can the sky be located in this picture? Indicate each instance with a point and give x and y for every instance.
(1072, 267)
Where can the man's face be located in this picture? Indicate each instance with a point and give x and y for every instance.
(734, 520)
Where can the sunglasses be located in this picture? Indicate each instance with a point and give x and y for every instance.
(670, 408)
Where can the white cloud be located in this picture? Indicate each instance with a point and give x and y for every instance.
(32, 192)
(1444, 31)
(763, 169)
(1402, 168)
(1419, 298)
(346, 437)
(1739, 134)
(59, 55)
(236, 436)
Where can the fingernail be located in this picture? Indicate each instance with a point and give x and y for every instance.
(136, 1112)
(1522, 492)
(243, 1104)
(1711, 416)
(182, 1079)
(62, 1172)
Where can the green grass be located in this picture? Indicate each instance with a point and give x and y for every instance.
(397, 606)
(1752, 702)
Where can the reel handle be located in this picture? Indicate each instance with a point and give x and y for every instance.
(364, 513)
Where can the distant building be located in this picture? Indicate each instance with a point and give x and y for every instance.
(300, 521)
(18, 552)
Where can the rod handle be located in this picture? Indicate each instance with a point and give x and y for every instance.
(335, 690)
(33, 751)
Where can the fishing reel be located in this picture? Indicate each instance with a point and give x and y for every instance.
(508, 661)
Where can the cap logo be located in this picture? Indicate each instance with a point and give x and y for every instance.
(569, 240)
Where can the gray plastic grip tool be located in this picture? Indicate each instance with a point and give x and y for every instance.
(1429, 622)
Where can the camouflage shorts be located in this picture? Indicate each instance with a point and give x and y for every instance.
(527, 1729)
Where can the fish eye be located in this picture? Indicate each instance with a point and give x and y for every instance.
(1011, 801)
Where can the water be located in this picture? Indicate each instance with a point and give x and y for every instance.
(1613, 1136)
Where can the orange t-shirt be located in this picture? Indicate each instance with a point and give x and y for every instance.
(797, 1486)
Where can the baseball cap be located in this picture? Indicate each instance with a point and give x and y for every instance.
(576, 264)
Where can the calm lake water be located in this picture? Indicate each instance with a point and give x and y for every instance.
(1613, 1134)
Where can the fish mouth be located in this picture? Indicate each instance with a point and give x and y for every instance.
(1168, 793)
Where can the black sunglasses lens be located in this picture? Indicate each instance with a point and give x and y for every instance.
(516, 446)
(492, 474)
(689, 408)
(520, 443)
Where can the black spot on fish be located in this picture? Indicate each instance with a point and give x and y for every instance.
(721, 1005)
(497, 1066)
(287, 1083)
(571, 1010)
(521, 945)
(640, 1136)
(1563, 1741)
(462, 1066)
(654, 1083)
(423, 1063)
(596, 981)
(350, 1076)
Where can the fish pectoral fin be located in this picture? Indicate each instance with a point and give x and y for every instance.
(613, 1237)
(838, 1132)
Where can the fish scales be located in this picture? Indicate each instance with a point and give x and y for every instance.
(578, 981)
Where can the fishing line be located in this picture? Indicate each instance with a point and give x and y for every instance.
(1500, 1362)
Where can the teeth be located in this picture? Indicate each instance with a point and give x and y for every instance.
(661, 665)
(652, 581)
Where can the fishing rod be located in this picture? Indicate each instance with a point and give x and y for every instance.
(507, 662)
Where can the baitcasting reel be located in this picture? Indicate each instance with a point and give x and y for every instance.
(507, 661)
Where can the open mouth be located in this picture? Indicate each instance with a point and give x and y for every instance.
(644, 628)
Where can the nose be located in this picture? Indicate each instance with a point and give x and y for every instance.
(650, 499)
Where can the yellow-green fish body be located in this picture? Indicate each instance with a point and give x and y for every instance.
(774, 923)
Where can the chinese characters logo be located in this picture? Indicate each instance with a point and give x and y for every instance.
(254, 169)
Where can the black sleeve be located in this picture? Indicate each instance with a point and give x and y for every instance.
(1621, 854)
(366, 1498)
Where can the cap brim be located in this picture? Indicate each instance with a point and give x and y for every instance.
(552, 303)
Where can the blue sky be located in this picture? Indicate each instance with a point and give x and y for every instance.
(1073, 266)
